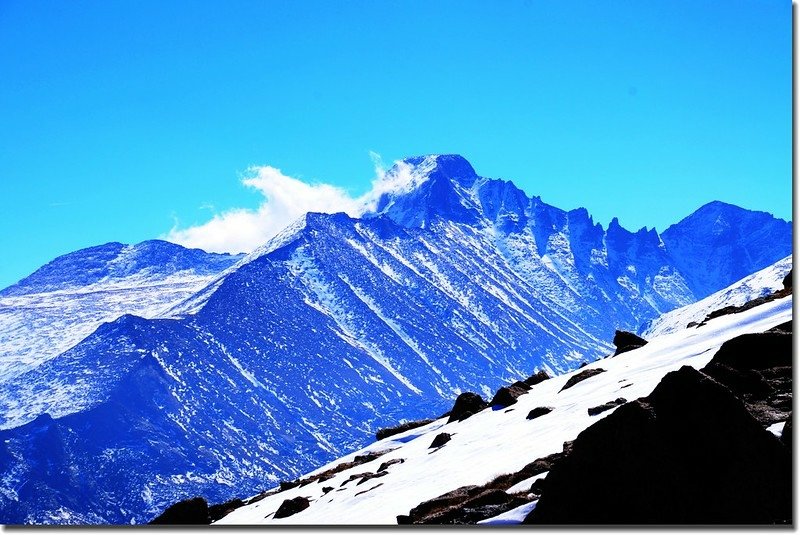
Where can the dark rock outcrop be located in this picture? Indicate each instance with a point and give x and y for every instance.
(391, 431)
(468, 505)
(385, 465)
(193, 511)
(758, 369)
(537, 378)
(582, 376)
(594, 411)
(465, 505)
(627, 341)
(787, 280)
(467, 404)
(539, 411)
(215, 512)
(689, 453)
(440, 440)
(507, 395)
(292, 507)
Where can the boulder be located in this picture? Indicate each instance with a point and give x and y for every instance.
(193, 511)
(387, 464)
(391, 431)
(292, 507)
(689, 453)
(507, 395)
(440, 440)
(581, 376)
(467, 404)
(539, 411)
(627, 341)
(537, 378)
(787, 281)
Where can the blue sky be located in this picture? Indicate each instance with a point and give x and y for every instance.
(119, 119)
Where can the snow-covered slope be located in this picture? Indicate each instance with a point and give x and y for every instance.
(495, 442)
(758, 284)
(300, 351)
(66, 300)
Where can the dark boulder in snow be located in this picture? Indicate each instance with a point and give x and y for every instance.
(440, 440)
(292, 507)
(689, 453)
(758, 369)
(387, 464)
(537, 378)
(594, 411)
(193, 511)
(582, 376)
(539, 411)
(507, 395)
(467, 404)
(787, 280)
(626, 341)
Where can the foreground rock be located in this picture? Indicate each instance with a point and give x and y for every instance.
(690, 453)
(758, 369)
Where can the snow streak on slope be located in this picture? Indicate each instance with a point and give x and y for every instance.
(495, 442)
(756, 285)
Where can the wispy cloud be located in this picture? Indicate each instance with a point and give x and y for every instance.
(285, 199)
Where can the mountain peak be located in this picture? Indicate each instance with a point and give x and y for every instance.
(452, 166)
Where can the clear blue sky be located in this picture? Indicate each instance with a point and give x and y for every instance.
(118, 116)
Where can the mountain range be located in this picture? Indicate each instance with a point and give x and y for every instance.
(176, 373)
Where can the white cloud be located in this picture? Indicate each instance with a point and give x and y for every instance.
(285, 199)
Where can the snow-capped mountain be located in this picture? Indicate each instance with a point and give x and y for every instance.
(298, 352)
(64, 301)
(404, 470)
(759, 284)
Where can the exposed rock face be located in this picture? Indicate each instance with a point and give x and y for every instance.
(758, 369)
(787, 280)
(626, 341)
(292, 507)
(786, 434)
(594, 411)
(193, 512)
(539, 411)
(690, 453)
(215, 512)
(467, 404)
(582, 376)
